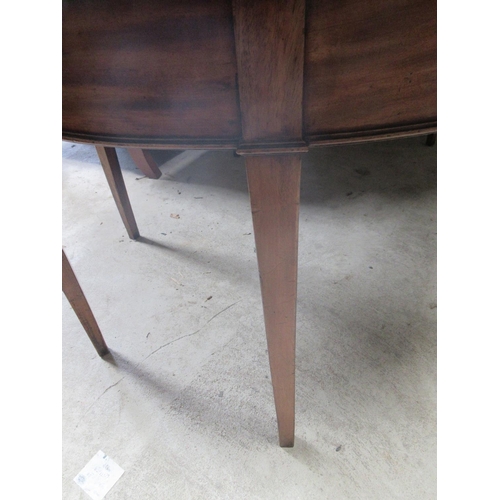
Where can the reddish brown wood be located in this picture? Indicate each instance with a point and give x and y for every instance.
(270, 55)
(111, 167)
(272, 148)
(369, 65)
(162, 143)
(274, 185)
(145, 162)
(76, 298)
(164, 73)
(382, 134)
(149, 69)
(214, 75)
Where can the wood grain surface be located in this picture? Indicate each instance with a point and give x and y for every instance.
(369, 65)
(270, 54)
(274, 186)
(149, 69)
(145, 162)
(113, 173)
(78, 301)
(209, 74)
(267, 78)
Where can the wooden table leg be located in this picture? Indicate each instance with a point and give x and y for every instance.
(76, 298)
(274, 185)
(111, 167)
(144, 161)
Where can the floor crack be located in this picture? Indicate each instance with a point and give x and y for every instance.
(189, 334)
(155, 351)
(98, 398)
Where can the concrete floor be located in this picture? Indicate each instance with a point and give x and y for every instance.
(184, 403)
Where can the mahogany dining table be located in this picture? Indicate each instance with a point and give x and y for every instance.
(269, 79)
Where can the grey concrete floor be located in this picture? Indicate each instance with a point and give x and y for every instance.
(184, 402)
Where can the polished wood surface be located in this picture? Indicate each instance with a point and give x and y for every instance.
(76, 298)
(111, 167)
(149, 70)
(145, 162)
(166, 74)
(267, 78)
(274, 186)
(270, 53)
(369, 65)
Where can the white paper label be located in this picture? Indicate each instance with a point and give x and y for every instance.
(99, 476)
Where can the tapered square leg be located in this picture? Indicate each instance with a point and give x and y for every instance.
(76, 298)
(274, 186)
(144, 161)
(111, 167)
